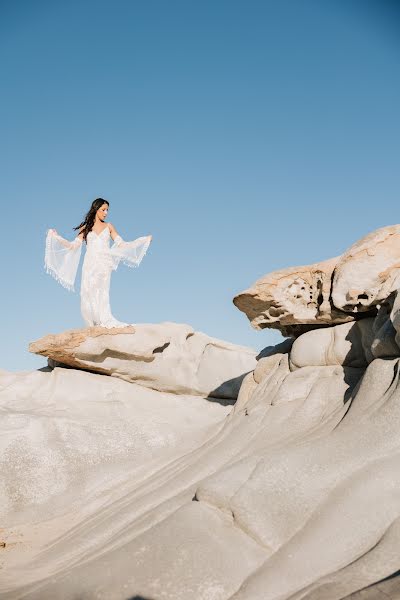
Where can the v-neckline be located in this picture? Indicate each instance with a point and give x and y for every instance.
(99, 234)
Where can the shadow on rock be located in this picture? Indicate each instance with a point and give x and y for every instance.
(227, 393)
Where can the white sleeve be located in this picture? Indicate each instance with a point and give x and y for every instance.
(62, 258)
(130, 253)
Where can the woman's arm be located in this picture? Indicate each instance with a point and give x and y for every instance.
(64, 242)
(115, 235)
(113, 232)
(61, 257)
(129, 252)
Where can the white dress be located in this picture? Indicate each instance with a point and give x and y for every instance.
(62, 260)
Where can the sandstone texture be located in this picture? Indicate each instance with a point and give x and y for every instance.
(335, 291)
(114, 490)
(291, 298)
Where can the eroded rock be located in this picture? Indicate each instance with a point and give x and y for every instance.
(368, 272)
(298, 299)
(292, 298)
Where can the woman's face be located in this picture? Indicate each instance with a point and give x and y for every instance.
(102, 212)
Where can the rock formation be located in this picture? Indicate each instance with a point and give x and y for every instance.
(329, 292)
(291, 299)
(168, 357)
(124, 486)
(368, 272)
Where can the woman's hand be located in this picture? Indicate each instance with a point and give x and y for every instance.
(54, 231)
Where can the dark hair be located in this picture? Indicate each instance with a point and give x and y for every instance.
(88, 221)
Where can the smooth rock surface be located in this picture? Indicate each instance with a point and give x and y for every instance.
(63, 432)
(348, 345)
(194, 554)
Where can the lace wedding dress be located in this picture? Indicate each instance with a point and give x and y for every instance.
(62, 260)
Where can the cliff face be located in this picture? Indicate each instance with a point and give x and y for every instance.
(163, 464)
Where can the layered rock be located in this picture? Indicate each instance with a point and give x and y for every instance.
(168, 357)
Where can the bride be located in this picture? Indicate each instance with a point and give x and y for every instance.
(62, 260)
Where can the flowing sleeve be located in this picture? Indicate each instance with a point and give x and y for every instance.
(62, 258)
(130, 253)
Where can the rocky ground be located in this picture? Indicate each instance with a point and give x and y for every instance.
(158, 463)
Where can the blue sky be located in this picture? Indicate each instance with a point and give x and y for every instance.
(246, 136)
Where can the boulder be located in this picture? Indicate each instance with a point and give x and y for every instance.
(348, 345)
(298, 299)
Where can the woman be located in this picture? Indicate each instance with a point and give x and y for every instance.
(62, 259)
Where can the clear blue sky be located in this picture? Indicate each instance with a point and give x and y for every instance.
(246, 136)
